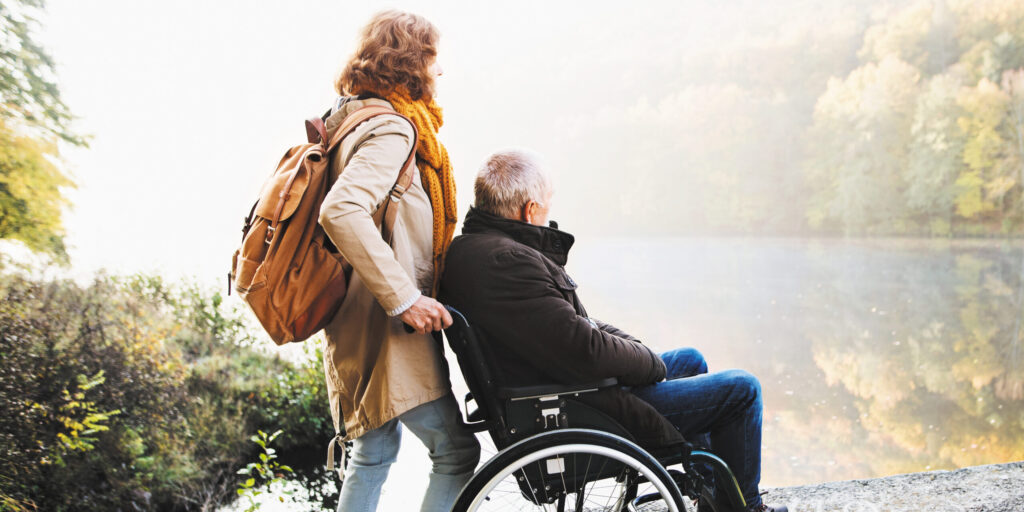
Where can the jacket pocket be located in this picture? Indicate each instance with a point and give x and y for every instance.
(566, 285)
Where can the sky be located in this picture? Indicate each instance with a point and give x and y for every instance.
(189, 104)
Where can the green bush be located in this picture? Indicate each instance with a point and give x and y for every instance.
(130, 393)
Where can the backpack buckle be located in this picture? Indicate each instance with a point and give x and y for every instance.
(270, 234)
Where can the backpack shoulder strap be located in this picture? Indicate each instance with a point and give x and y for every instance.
(402, 184)
(387, 213)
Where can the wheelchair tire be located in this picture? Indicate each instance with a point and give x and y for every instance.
(576, 468)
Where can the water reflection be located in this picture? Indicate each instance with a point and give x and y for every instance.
(876, 356)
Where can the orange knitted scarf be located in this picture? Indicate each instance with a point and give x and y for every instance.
(435, 171)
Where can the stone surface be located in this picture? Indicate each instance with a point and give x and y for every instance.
(992, 488)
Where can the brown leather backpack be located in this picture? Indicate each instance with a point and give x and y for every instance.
(287, 270)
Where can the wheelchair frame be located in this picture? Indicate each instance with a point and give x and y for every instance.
(537, 428)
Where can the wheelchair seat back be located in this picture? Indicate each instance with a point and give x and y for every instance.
(513, 413)
(477, 373)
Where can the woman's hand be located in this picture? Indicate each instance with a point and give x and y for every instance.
(426, 315)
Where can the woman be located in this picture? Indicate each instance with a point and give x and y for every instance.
(380, 377)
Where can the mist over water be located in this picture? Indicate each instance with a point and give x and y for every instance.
(876, 356)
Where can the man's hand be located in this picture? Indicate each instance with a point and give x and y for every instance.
(426, 315)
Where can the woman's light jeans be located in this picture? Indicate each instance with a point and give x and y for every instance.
(454, 452)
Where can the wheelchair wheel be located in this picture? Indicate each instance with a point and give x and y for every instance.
(707, 501)
(571, 469)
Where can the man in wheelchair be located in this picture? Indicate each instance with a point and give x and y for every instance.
(506, 274)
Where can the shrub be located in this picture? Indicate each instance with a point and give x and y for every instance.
(130, 394)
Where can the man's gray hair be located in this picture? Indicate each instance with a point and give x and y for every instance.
(508, 180)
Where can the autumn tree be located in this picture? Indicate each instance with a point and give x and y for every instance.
(927, 135)
(33, 119)
(984, 181)
(860, 137)
(935, 148)
(1013, 86)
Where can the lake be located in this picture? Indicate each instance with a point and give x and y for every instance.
(876, 356)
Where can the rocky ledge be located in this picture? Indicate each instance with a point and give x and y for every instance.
(992, 488)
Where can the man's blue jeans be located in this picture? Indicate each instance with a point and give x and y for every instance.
(453, 449)
(727, 405)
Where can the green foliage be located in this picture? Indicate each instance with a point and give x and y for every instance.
(983, 183)
(936, 147)
(263, 473)
(885, 155)
(907, 35)
(27, 90)
(969, 199)
(130, 393)
(32, 119)
(860, 173)
(51, 334)
(31, 193)
(81, 418)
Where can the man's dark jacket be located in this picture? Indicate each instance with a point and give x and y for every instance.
(508, 278)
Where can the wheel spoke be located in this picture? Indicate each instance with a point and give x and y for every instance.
(529, 486)
(572, 453)
(598, 472)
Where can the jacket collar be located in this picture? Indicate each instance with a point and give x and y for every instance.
(345, 105)
(551, 242)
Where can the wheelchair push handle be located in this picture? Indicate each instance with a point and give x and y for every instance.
(410, 329)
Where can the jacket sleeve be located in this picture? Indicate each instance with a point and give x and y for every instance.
(611, 329)
(542, 327)
(347, 213)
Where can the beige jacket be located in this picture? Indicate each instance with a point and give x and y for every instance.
(375, 370)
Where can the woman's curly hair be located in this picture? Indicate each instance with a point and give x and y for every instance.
(395, 49)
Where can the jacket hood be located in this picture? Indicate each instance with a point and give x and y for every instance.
(551, 242)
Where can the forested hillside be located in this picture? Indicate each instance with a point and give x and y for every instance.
(859, 118)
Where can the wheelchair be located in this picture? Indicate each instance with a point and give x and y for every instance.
(556, 453)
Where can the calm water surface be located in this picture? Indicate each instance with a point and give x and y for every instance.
(876, 356)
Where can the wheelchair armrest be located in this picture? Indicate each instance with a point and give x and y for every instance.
(528, 392)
